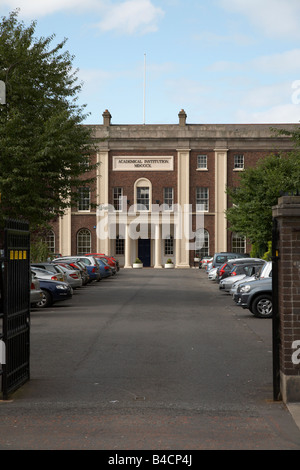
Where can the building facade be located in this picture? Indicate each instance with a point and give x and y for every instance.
(161, 191)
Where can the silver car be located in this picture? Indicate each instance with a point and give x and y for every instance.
(35, 290)
(72, 276)
(47, 275)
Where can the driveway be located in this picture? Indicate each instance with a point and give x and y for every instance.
(148, 360)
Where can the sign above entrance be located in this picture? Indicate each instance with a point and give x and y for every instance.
(143, 163)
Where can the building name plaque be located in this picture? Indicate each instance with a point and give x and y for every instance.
(143, 163)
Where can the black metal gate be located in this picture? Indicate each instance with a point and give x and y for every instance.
(14, 306)
(276, 316)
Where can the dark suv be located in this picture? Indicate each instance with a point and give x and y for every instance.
(221, 258)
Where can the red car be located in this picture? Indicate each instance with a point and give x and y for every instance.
(110, 259)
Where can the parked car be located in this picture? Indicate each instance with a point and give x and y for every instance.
(53, 291)
(239, 272)
(257, 297)
(104, 267)
(78, 267)
(50, 267)
(111, 266)
(90, 263)
(204, 261)
(220, 258)
(44, 274)
(113, 262)
(226, 269)
(72, 276)
(212, 274)
(35, 290)
(264, 271)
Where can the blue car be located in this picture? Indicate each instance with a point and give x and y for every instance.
(104, 267)
(53, 291)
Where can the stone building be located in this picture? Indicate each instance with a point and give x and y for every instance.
(154, 181)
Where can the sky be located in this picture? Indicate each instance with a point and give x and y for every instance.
(222, 61)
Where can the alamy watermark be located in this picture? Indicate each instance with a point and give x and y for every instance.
(296, 354)
(137, 221)
(2, 352)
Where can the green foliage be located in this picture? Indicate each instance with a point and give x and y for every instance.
(258, 191)
(258, 250)
(268, 254)
(39, 251)
(43, 147)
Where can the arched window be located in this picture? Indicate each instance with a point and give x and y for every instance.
(143, 194)
(201, 243)
(50, 240)
(83, 241)
(238, 243)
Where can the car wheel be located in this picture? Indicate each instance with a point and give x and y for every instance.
(262, 306)
(46, 300)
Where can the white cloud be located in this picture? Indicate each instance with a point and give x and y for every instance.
(36, 8)
(285, 62)
(285, 113)
(131, 16)
(276, 18)
(281, 63)
(268, 95)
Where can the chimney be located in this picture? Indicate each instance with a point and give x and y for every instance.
(182, 118)
(106, 118)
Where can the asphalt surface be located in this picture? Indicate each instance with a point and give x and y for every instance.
(156, 360)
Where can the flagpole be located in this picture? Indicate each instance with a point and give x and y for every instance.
(144, 88)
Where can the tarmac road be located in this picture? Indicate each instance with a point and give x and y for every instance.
(149, 360)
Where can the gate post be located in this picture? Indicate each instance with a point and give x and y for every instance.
(287, 318)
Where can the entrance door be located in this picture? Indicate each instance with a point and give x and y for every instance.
(144, 251)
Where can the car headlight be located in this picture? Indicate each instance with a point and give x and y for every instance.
(245, 288)
(62, 287)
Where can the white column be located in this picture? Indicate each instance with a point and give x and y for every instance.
(103, 246)
(220, 200)
(158, 246)
(183, 189)
(127, 248)
(65, 233)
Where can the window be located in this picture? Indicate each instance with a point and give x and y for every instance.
(83, 241)
(239, 162)
(238, 243)
(117, 198)
(142, 198)
(168, 198)
(120, 245)
(50, 240)
(202, 162)
(169, 245)
(84, 199)
(202, 199)
(201, 243)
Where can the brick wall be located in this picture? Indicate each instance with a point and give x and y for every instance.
(288, 216)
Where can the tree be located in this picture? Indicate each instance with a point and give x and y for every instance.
(44, 149)
(258, 191)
